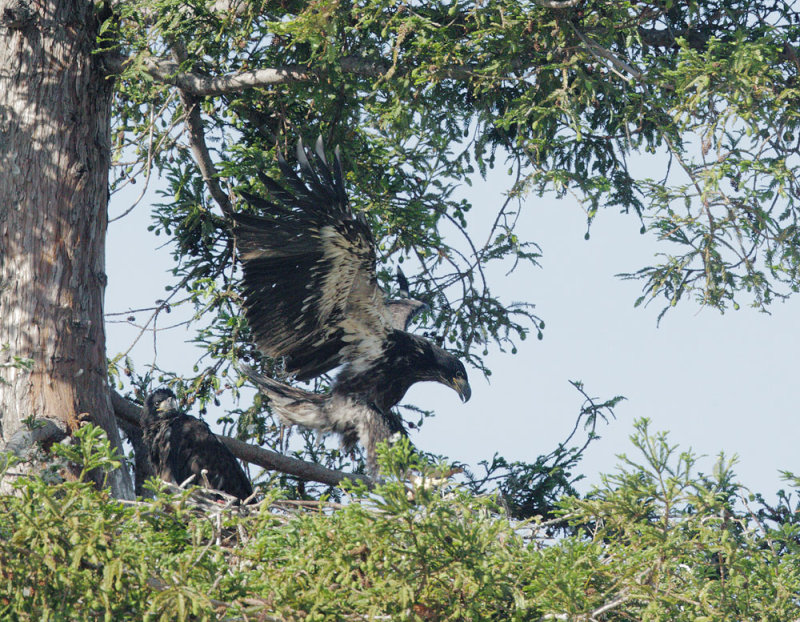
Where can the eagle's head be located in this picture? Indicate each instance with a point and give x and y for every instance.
(451, 372)
(160, 402)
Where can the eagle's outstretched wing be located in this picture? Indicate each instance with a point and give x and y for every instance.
(310, 287)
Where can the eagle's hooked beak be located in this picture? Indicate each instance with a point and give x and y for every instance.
(461, 386)
(167, 405)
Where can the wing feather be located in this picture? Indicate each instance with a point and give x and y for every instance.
(310, 288)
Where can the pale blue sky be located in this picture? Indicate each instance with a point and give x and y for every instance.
(716, 382)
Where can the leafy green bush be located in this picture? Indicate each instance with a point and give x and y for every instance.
(656, 541)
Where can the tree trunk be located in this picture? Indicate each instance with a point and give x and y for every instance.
(55, 103)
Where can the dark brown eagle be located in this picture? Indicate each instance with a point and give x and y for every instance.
(311, 295)
(180, 446)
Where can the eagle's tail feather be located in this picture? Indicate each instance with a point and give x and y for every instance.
(294, 406)
(353, 422)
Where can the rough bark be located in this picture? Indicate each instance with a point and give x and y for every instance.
(55, 107)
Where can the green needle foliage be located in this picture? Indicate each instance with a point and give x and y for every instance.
(656, 541)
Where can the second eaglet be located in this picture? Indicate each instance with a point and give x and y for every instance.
(181, 446)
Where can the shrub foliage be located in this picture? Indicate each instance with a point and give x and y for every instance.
(655, 541)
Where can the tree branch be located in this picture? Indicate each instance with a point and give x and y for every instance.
(619, 600)
(167, 72)
(143, 468)
(557, 4)
(199, 85)
(197, 140)
(128, 412)
(37, 431)
(598, 51)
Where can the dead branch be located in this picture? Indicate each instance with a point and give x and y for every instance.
(598, 51)
(197, 140)
(558, 4)
(37, 431)
(199, 85)
(167, 72)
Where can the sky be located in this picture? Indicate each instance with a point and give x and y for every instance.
(714, 382)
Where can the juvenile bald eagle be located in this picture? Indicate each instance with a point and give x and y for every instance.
(311, 295)
(181, 446)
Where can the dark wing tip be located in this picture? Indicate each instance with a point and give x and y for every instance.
(402, 283)
(319, 148)
(338, 173)
(302, 159)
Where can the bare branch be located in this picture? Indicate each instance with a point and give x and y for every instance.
(167, 72)
(292, 466)
(37, 431)
(364, 67)
(162, 305)
(589, 617)
(128, 411)
(557, 4)
(236, 8)
(598, 51)
(197, 140)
